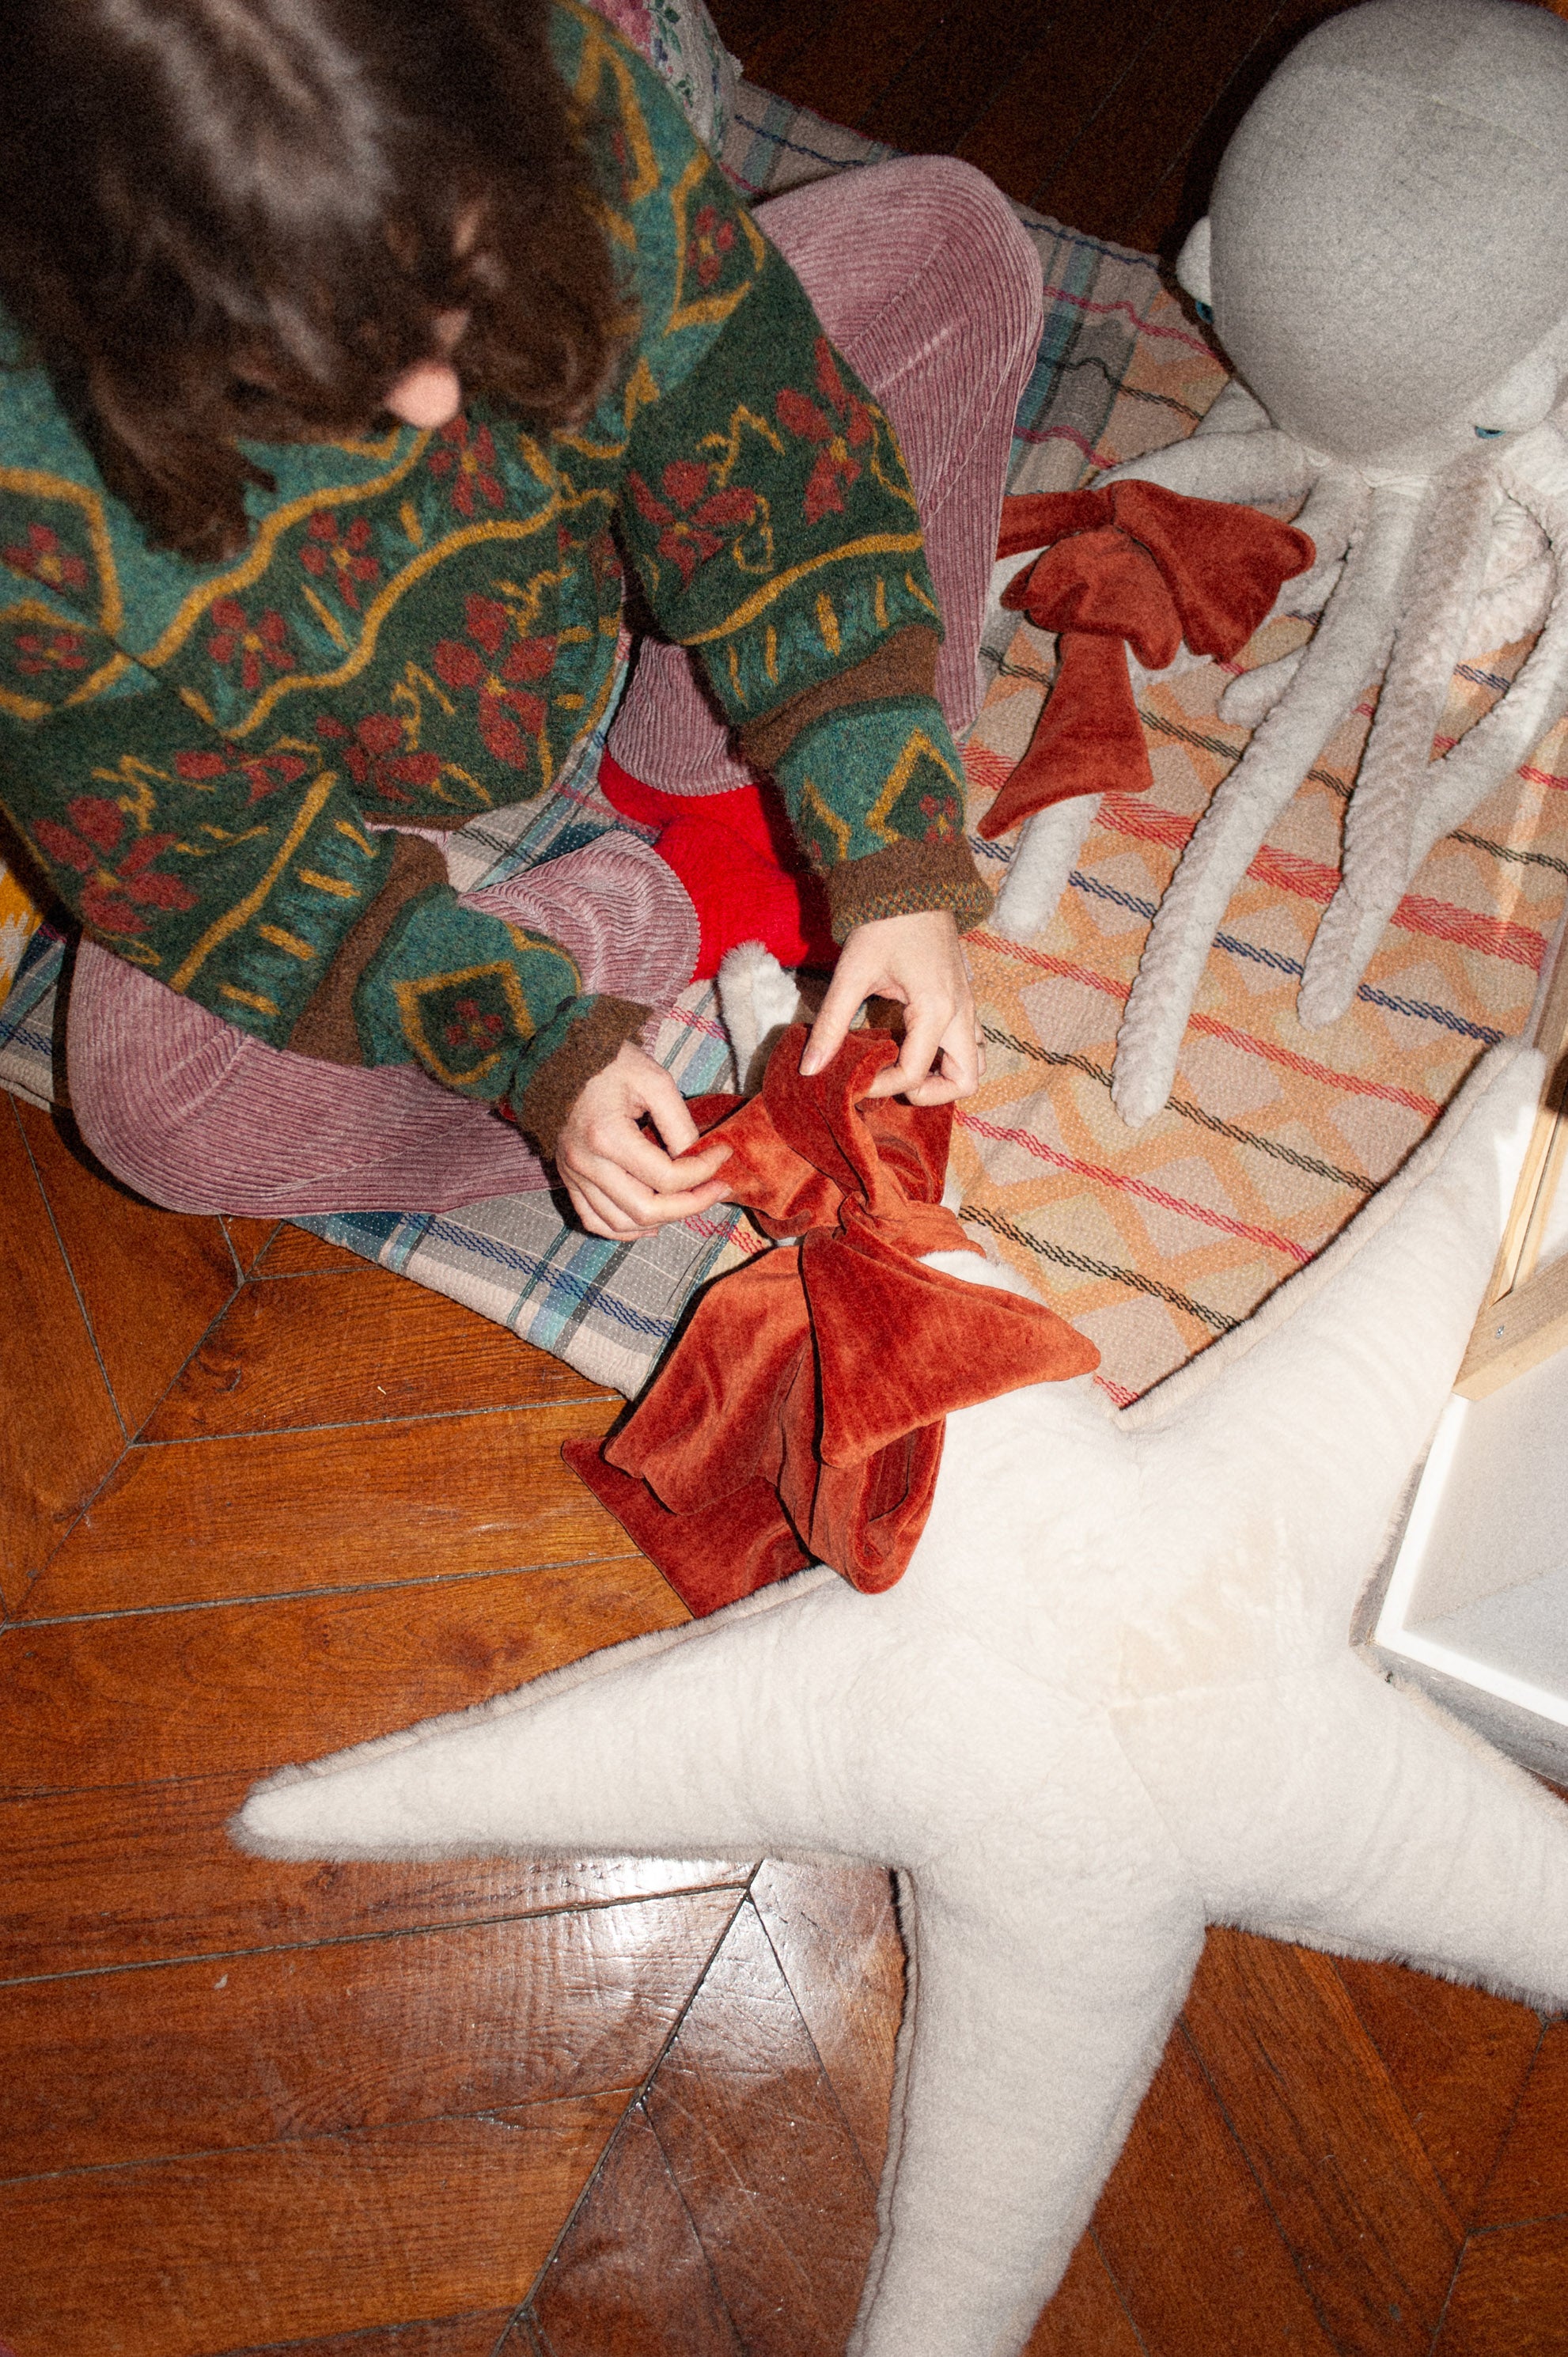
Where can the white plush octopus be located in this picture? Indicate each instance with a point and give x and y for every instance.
(1386, 262)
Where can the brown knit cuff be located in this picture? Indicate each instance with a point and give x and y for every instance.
(327, 1028)
(904, 879)
(905, 664)
(591, 1043)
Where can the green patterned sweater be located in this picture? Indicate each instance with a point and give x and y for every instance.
(423, 625)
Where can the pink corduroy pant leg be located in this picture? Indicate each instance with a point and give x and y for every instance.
(924, 279)
(200, 1117)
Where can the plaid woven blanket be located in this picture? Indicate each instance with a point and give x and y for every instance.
(1153, 1242)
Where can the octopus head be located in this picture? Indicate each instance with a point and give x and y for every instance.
(1386, 255)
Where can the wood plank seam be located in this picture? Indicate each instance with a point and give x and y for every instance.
(75, 1286)
(240, 1283)
(297, 1596)
(28, 1579)
(637, 2101)
(828, 2080)
(1151, 27)
(1503, 2142)
(1233, 2133)
(527, 2316)
(1447, 2299)
(574, 1906)
(301, 2140)
(588, 1398)
(1110, 2277)
(913, 73)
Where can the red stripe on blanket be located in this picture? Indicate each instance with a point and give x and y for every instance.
(1144, 821)
(1495, 936)
(1287, 871)
(1312, 879)
(985, 767)
(1221, 1221)
(1125, 311)
(1343, 1084)
(1091, 979)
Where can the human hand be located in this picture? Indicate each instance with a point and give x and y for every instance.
(621, 1185)
(917, 961)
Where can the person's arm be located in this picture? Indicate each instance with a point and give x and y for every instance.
(768, 514)
(243, 877)
(774, 532)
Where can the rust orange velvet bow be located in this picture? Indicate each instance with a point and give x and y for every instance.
(798, 1418)
(1134, 563)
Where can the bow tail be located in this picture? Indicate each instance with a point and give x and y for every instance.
(1087, 740)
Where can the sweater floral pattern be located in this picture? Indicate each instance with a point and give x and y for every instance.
(424, 624)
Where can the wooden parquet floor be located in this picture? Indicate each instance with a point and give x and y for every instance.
(263, 1498)
(260, 1499)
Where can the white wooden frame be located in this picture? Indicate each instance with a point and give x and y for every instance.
(1525, 1315)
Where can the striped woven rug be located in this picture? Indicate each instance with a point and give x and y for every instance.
(1157, 1240)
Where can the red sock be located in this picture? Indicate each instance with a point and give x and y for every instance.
(725, 850)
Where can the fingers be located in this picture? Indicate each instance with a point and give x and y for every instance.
(963, 1059)
(642, 1186)
(623, 1150)
(622, 1210)
(671, 1114)
(925, 1027)
(837, 1013)
(596, 1212)
(621, 1184)
(941, 1057)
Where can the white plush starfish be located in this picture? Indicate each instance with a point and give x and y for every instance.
(1110, 1701)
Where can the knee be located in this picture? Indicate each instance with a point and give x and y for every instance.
(148, 1146)
(142, 1066)
(967, 219)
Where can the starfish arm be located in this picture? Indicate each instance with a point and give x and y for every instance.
(1300, 1440)
(1041, 1991)
(720, 1740)
(1392, 1830)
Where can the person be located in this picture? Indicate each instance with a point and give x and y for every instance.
(365, 359)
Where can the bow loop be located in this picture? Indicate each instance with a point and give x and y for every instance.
(800, 1416)
(1133, 563)
(1224, 564)
(803, 1150)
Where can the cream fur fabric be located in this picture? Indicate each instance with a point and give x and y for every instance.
(1111, 1701)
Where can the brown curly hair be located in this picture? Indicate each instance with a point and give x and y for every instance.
(237, 220)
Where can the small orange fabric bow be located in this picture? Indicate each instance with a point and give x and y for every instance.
(798, 1418)
(1136, 563)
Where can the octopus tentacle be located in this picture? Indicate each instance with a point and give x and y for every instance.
(1330, 523)
(1234, 409)
(1249, 700)
(1042, 867)
(1416, 801)
(1331, 515)
(1258, 465)
(1351, 642)
(1505, 735)
(1444, 584)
